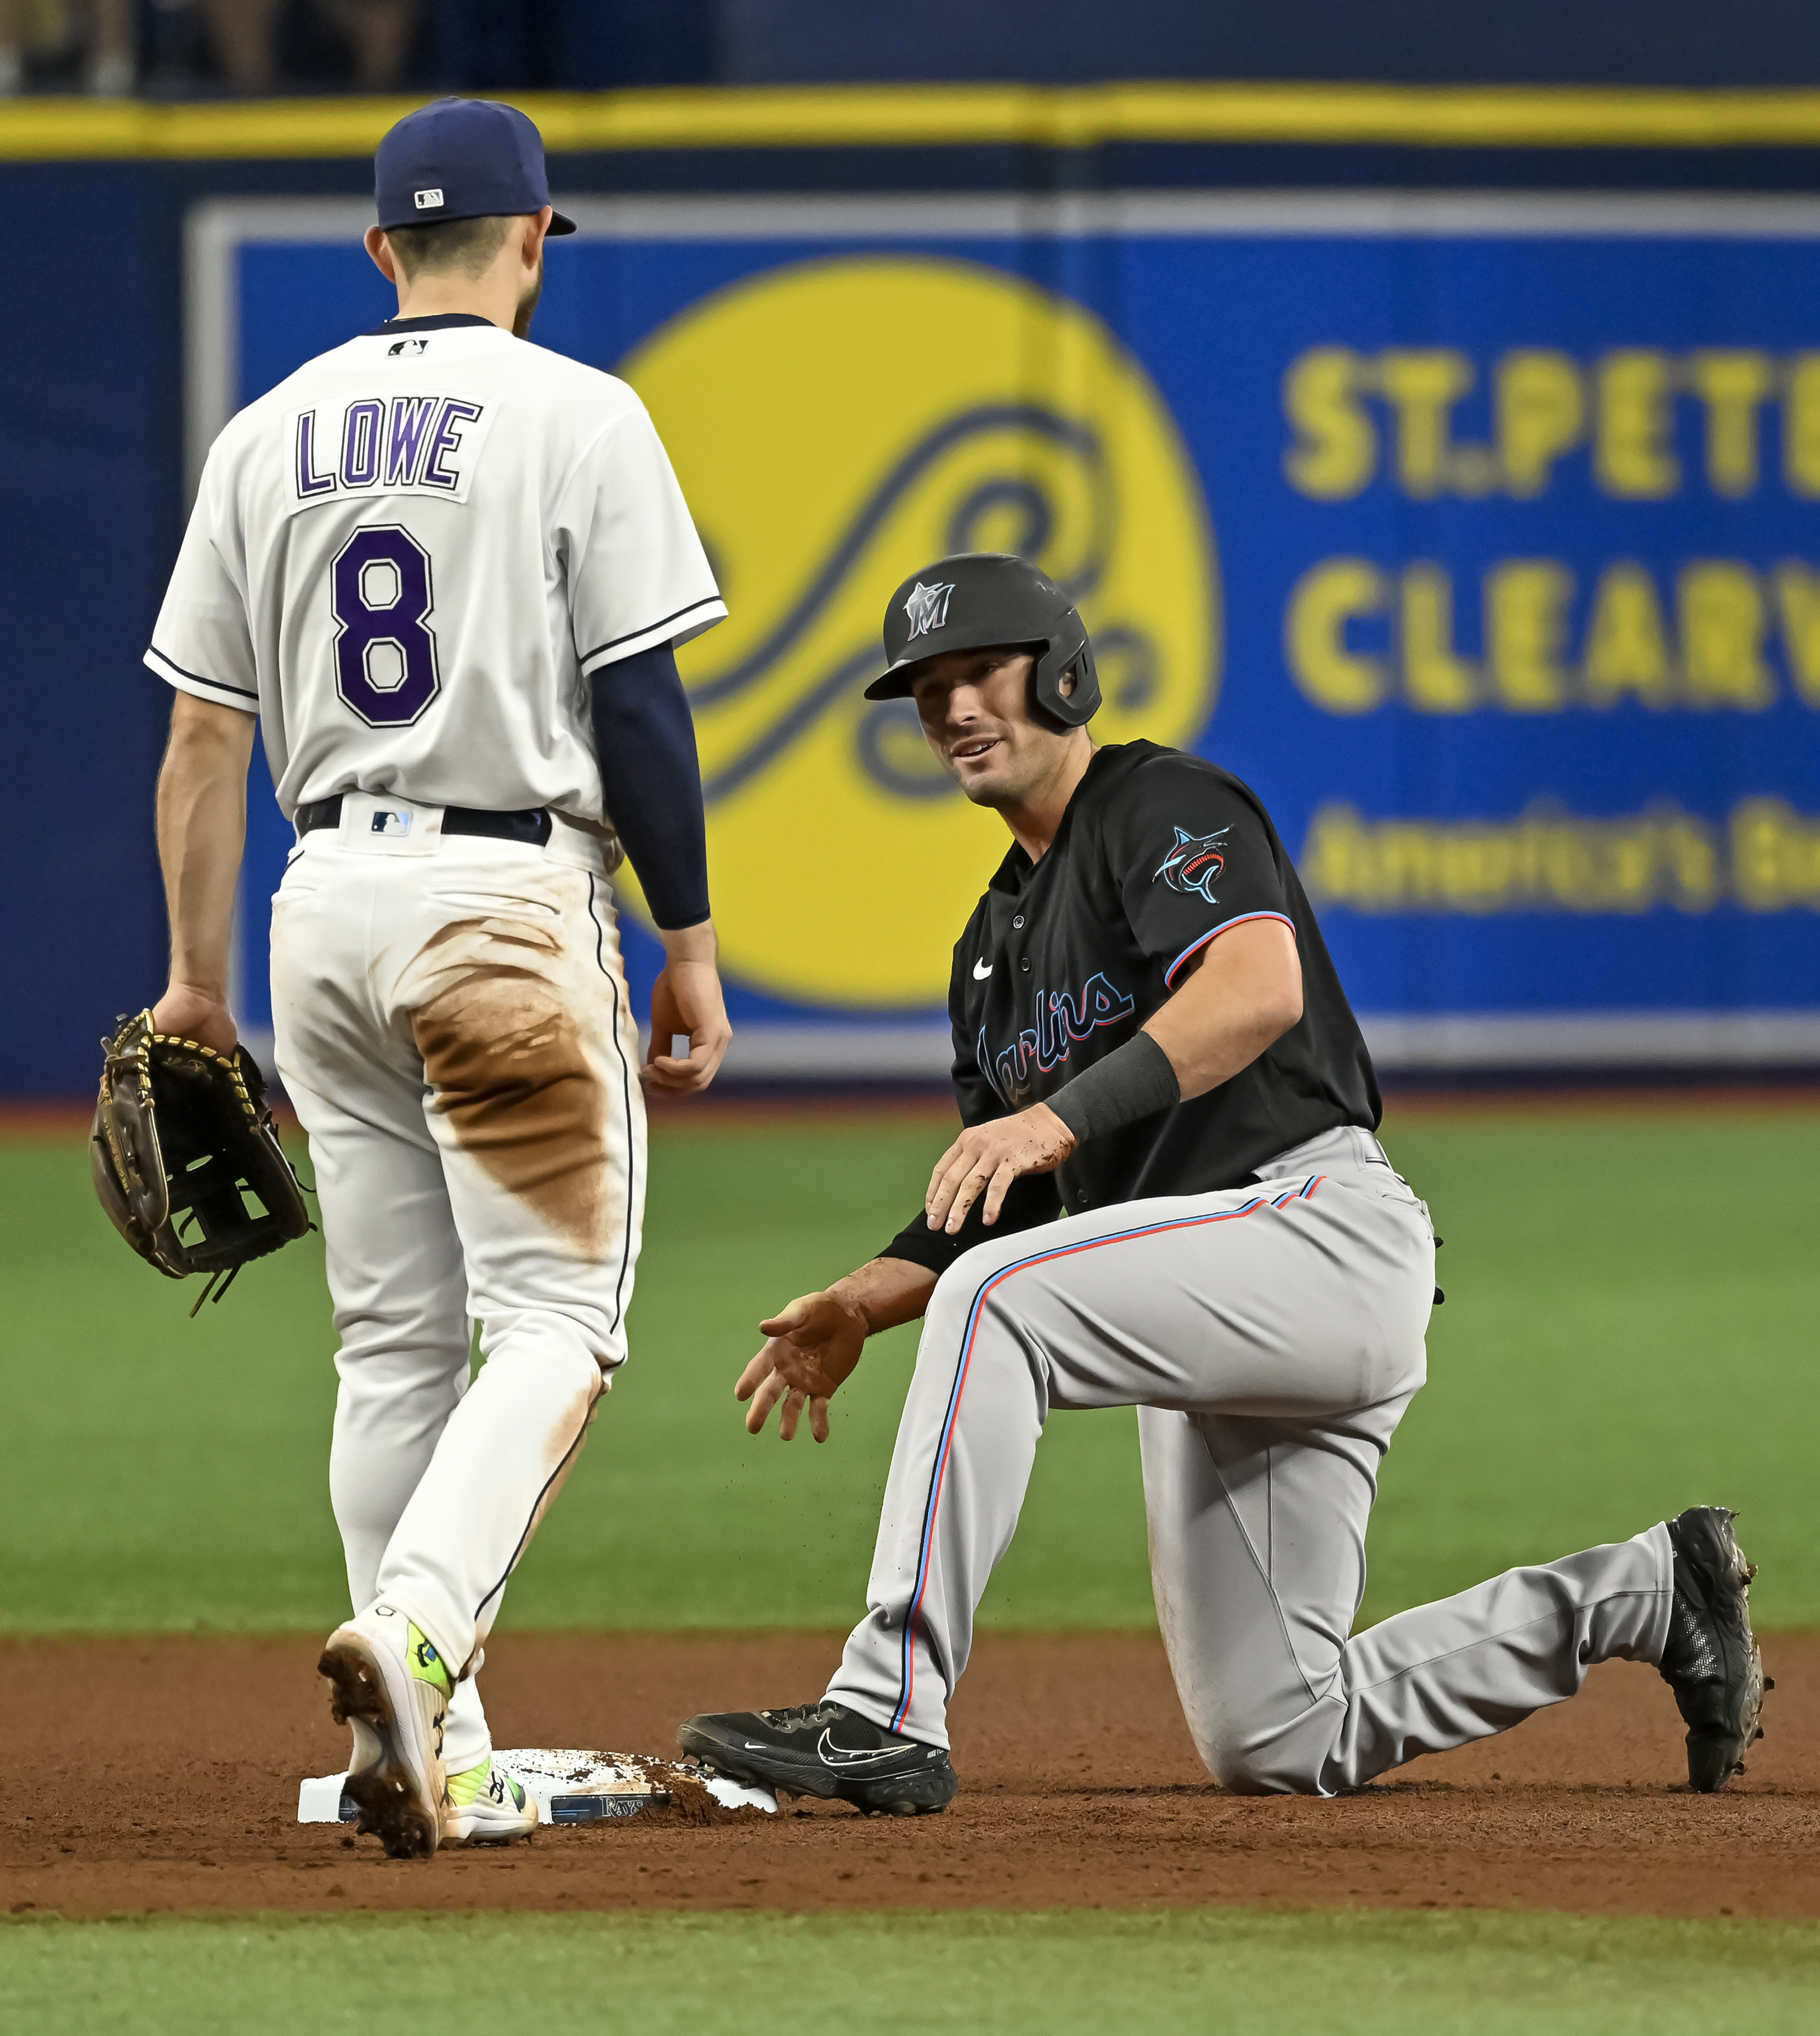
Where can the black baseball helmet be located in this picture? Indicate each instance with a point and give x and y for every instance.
(976, 599)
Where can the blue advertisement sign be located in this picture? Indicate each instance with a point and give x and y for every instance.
(1478, 533)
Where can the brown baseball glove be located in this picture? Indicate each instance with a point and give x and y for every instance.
(185, 1158)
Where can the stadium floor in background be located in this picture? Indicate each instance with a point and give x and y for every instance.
(164, 1777)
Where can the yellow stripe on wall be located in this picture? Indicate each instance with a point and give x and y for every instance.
(914, 115)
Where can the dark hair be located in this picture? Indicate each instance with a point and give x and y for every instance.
(468, 245)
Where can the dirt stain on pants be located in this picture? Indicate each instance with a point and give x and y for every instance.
(503, 1047)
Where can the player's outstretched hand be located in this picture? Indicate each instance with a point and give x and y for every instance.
(987, 1158)
(687, 1003)
(810, 1350)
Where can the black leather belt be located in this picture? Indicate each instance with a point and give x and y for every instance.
(532, 825)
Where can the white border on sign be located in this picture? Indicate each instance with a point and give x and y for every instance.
(215, 227)
(852, 1051)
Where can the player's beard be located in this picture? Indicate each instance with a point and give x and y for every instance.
(528, 303)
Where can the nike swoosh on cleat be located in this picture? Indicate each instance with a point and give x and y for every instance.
(838, 1756)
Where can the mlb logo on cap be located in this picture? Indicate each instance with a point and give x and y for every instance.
(462, 159)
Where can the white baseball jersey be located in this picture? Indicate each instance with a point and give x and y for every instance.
(407, 559)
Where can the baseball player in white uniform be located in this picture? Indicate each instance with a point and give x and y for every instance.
(443, 570)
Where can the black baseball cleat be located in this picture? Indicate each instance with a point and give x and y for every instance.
(824, 1749)
(1711, 1662)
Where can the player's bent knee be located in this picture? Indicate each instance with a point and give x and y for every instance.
(958, 1288)
(950, 1310)
(558, 1335)
(384, 1359)
(1273, 1766)
(1246, 1777)
(963, 1324)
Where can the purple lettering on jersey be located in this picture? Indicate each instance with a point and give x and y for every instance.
(309, 481)
(455, 414)
(360, 444)
(405, 437)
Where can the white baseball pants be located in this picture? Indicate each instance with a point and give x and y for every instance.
(453, 1026)
(1271, 1338)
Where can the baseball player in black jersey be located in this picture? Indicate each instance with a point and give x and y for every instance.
(1150, 1035)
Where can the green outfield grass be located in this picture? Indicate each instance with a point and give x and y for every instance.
(1238, 1972)
(1630, 1328)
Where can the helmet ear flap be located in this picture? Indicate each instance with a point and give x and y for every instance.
(1070, 650)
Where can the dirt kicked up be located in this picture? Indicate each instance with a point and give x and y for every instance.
(162, 1775)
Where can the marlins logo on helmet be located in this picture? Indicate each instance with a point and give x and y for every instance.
(1193, 863)
(927, 607)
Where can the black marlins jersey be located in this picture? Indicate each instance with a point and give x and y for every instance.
(1063, 960)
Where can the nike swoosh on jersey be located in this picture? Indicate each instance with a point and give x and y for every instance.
(981, 970)
(840, 1756)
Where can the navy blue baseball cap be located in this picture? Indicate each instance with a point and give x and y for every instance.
(461, 159)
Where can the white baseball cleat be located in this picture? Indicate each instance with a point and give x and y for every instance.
(393, 1687)
(487, 1805)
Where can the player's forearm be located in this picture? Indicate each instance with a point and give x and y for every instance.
(886, 1292)
(1245, 995)
(201, 832)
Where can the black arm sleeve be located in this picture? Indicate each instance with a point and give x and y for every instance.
(646, 741)
(1031, 1198)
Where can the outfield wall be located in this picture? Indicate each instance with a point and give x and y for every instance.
(1475, 526)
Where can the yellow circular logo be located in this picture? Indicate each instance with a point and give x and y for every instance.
(835, 424)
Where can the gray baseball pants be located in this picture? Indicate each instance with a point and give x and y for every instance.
(1271, 1337)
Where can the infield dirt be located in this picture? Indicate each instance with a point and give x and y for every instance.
(162, 1775)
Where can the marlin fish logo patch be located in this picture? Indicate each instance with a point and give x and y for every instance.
(1193, 863)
